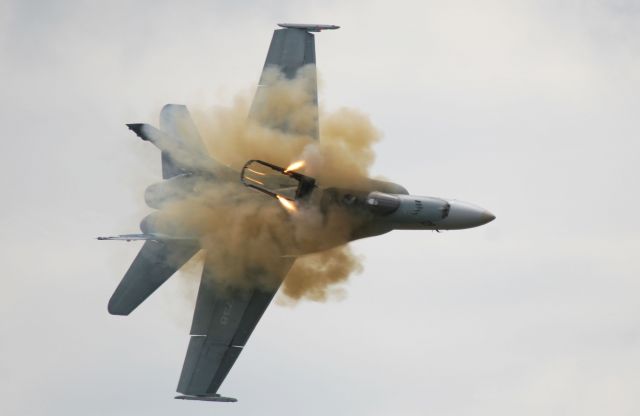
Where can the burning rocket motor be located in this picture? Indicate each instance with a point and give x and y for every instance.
(380, 208)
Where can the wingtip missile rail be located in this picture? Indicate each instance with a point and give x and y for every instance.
(308, 27)
(208, 398)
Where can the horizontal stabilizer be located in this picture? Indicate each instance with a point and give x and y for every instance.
(156, 262)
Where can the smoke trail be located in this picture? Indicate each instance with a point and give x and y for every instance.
(243, 231)
(315, 276)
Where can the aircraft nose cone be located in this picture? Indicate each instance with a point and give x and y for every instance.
(465, 215)
(488, 216)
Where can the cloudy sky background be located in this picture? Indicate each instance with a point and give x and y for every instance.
(528, 108)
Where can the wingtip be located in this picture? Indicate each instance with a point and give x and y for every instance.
(308, 27)
(114, 309)
(208, 398)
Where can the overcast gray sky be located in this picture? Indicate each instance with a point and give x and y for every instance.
(528, 108)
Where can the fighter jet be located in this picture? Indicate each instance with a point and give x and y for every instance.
(224, 319)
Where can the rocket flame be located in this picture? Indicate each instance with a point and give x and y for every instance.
(288, 205)
(294, 166)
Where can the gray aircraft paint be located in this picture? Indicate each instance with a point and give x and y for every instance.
(224, 319)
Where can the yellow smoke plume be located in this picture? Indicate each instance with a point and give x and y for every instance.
(246, 234)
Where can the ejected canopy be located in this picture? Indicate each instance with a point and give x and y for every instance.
(276, 181)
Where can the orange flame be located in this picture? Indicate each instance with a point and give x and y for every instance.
(288, 205)
(294, 166)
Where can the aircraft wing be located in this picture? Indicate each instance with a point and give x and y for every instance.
(223, 320)
(290, 50)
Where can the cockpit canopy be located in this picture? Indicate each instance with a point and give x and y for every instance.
(276, 181)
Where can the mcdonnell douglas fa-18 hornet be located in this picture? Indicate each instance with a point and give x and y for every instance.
(224, 319)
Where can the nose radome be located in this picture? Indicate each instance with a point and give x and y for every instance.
(489, 216)
(465, 215)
